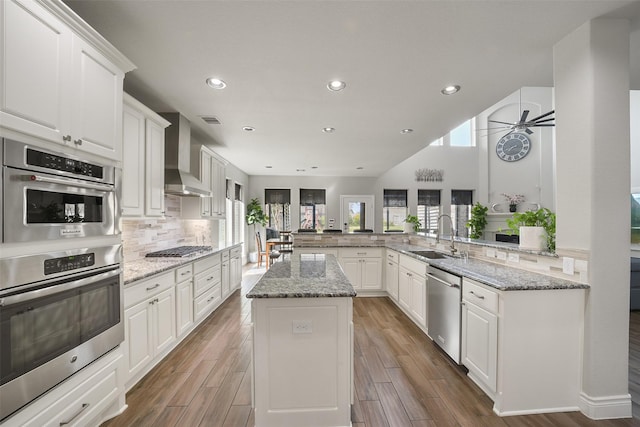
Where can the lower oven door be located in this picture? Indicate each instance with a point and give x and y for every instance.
(48, 333)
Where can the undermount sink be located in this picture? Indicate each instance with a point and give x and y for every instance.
(429, 254)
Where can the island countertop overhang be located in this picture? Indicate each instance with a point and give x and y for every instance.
(304, 276)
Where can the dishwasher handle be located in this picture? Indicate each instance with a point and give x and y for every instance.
(451, 285)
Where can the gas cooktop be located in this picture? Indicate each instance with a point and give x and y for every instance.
(179, 252)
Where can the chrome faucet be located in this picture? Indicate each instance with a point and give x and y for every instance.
(453, 247)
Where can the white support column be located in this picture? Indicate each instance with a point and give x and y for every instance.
(591, 73)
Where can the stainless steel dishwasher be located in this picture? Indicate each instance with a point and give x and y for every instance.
(444, 291)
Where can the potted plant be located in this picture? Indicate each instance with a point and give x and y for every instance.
(412, 224)
(255, 215)
(514, 200)
(537, 229)
(478, 221)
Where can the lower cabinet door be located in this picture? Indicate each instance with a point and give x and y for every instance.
(480, 344)
(404, 289)
(419, 299)
(391, 279)
(371, 273)
(165, 319)
(184, 307)
(137, 323)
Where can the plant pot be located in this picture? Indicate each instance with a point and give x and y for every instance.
(513, 208)
(253, 257)
(533, 238)
(408, 228)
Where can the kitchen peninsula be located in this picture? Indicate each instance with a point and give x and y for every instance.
(301, 312)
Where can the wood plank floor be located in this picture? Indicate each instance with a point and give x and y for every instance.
(401, 378)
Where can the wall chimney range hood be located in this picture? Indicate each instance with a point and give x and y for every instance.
(177, 157)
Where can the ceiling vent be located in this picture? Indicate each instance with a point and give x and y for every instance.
(210, 120)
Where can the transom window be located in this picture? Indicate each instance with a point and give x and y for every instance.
(461, 136)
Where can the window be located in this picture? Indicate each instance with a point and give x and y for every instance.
(461, 136)
(429, 209)
(238, 215)
(635, 219)
(394, 210)
(313, 209)
(461, 201)
(278, 208)
(437, 142)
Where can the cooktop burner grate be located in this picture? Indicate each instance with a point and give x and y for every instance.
(179, 252)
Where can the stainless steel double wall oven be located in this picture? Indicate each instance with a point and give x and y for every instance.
(62, 309)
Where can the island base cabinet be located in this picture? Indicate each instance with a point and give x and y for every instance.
(302, 361)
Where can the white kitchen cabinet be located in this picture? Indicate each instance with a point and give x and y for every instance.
(235, 270)
(57, 85)
(480, 335)
(521, 346)
(184, 299)
(149, 321)
(143, 160)
(363, 267)
(392, 274)
(412, 289)
(226, 273)
(207, 286)
(211, 170)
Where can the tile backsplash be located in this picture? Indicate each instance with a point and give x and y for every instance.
(140, 236)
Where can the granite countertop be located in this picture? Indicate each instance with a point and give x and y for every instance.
(494, 275)
(304, 276)
(147, 267)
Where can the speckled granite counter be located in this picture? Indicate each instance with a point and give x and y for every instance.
(304, 276)
(494, 275)
(147, 267)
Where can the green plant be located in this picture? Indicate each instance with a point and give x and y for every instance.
(478, 221)
(412, 219)
(543, 217)
(255, 214)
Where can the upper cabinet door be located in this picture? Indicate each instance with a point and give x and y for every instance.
(154, 187)
(97, 102)
(36, 58)
(133, 162)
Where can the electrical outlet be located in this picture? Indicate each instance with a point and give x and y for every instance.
(513, 257)
(302, 326)
(501, 255)
(568, 265)
(491, 253)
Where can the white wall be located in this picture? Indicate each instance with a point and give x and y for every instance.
(635, 140)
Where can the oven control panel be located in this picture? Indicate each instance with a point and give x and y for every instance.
(68, 263)
(64, 164)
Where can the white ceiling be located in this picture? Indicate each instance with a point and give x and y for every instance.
(395, 56)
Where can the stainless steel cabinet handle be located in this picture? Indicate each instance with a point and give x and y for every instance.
(76, 415)
(150, 288)
(210, 278)
(362, 253)
(185, 273)
(476, 295)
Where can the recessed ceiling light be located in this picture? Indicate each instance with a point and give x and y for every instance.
(248, 128)
(328, 130)
(336, 85)
(406, 131)
(216, 83)
(450, 90)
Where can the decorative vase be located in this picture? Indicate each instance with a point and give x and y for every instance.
(513, 207)
(533, 238)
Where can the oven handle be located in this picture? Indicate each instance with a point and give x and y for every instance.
(38, 293)
(81, 184)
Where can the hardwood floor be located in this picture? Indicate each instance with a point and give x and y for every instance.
(401, 378)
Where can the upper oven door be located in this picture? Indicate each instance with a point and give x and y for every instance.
(40, 206)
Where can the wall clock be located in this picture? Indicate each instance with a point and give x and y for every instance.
(513, 146)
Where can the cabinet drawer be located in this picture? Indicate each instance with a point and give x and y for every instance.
(326, 251)
(184, 273)
(235, 252)
(479, 295)
(414, 265)
(143, 289)
(83, 403)
(360, 252)
(225, 256)
(206, 280)
(392, 256)
(204, 303)
(205, 263)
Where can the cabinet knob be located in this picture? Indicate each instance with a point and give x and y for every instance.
(66, 138)
(77, 141)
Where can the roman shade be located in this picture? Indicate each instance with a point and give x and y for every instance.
(395, 198)
(312, 197)
(277, 196)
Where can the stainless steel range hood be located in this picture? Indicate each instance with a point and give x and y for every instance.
(177, 157)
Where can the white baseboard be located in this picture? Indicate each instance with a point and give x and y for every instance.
(607, 407)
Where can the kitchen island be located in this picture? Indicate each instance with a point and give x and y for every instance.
(302, 318)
